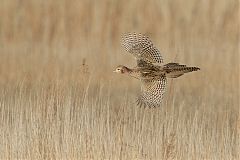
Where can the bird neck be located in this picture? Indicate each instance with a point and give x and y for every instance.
(128, 70)
(132, 73)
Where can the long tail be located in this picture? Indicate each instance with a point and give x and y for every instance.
(174, 70)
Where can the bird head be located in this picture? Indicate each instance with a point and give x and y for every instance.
(121, 69)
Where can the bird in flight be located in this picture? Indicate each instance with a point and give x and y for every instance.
(153, 77)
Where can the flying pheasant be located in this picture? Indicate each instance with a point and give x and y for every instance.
(153, 77)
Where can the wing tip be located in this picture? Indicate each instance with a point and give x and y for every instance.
(141, 103)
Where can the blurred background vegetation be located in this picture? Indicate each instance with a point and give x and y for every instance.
(43, 45)
(56, 35)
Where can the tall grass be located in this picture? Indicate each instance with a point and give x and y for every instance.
(60, 100)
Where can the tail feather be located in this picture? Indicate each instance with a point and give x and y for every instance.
(189, 69)
(174, 70)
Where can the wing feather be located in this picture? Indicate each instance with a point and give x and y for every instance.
(141, 47)
(152, 92)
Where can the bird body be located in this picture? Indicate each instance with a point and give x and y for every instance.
(155, 71)
(153, 77)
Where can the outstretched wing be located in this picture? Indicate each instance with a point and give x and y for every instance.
(152, 92)
(141, 47)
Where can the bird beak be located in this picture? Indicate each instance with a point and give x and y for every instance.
(114, 71)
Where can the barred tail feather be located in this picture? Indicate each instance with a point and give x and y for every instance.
(179, 71)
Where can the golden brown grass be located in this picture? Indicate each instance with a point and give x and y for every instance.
(60, 100)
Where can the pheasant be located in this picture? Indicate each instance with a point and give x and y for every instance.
(153, 77)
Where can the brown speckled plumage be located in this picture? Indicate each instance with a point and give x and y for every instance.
(153, 77)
